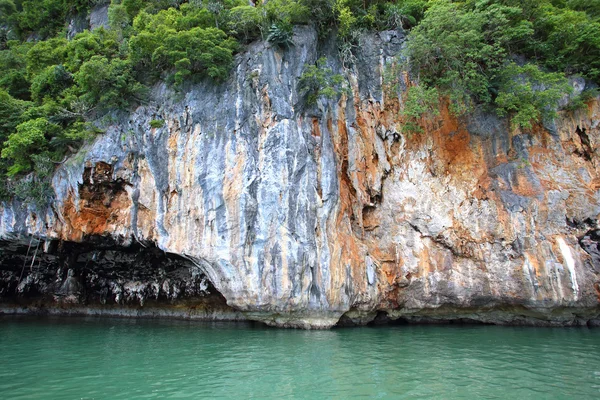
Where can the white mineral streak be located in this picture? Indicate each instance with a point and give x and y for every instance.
(568, 257)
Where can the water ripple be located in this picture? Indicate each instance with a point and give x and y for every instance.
(119, 359)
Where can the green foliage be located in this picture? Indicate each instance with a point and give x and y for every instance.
(403, 14)
(568, 41)
(581, 101)
(420, 101)
(591, 7)
(7, 9)
(465, 50)
(14, 76)
(35, 188)
(245, 22)
(107, 83)
(321, 14)
(88, 44)
(286, 11)
(355, 15)
(346, 18)
(44, 54)
(319, 81)
(165, 41)
(133, 7)
(3, 38)
(280, 34)
(119, 20)
(461, 51)
(31, 138)
(157, 123)
(50, 82)
(184, 18)
(47, 17)
(11, 112)
(529, 94)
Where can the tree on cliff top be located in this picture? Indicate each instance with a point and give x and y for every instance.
(466, 51)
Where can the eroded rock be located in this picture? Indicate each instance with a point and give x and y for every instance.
(299, 215)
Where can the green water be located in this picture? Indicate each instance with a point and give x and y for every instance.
(121, 359)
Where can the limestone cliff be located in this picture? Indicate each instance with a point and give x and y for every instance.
(301, 216)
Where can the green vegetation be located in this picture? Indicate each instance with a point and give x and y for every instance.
(319, 81)
(528, 94)
(29, 139)
(467, 52)
(163, 44)
(51, 86)
(511, 56)
(44, 17)
(11, 112)
(281, 35)
(420, 101)
(581, 101)
(157, 123)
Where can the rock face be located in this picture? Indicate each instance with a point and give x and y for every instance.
(97, 18)
(301, 216)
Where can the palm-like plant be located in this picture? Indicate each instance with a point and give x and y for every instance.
(280, 34)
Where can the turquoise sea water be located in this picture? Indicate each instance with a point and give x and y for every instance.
(125, 359)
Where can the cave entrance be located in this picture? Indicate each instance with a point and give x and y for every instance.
(100, 274)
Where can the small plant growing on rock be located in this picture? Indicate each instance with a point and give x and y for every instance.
(420, 101)
(581, 101)
(157, 123)
(319, 81)
(527, 94)
(280, 34)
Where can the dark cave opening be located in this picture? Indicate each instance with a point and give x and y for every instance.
(101, 273)
(590, 242)
(382, 318)
(586, 151)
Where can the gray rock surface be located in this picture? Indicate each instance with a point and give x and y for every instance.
(99, 17)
